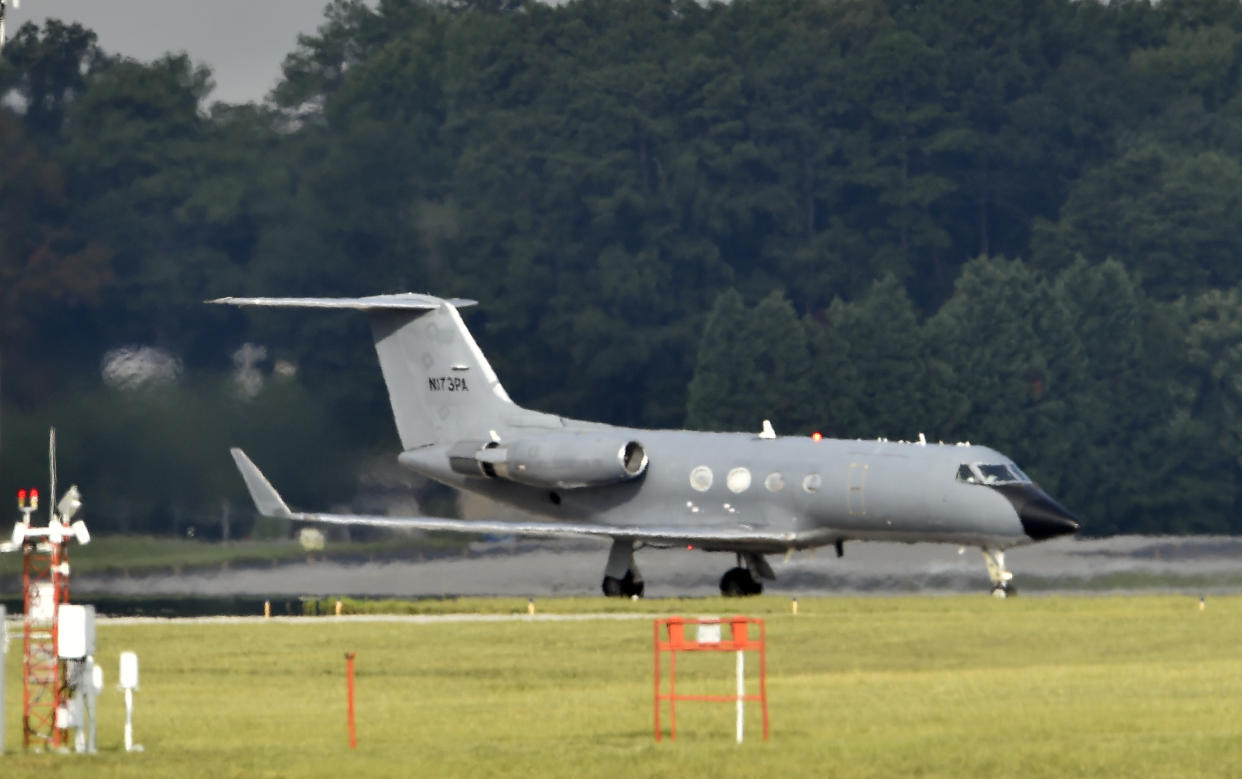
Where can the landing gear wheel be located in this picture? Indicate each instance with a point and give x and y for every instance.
(624, 587)
(1002, 586)
(738, 582)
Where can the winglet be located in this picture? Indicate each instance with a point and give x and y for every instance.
(264, 495)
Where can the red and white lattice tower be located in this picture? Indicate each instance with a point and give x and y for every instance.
(45, 587)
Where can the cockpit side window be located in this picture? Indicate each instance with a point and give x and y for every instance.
(983, 473)
(996, 474)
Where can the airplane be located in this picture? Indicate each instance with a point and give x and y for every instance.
(748, 494)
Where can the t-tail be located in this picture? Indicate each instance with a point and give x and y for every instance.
(441, 387)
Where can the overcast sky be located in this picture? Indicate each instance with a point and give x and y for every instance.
(242, 41)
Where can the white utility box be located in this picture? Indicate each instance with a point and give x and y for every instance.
(75, 631)
(129, 671)
(41, 603)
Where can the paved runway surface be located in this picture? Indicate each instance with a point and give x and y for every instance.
(542, 568)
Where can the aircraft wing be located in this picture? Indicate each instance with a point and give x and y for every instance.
(270, 504)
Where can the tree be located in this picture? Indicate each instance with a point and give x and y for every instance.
(1014, 356)
(1131, 447)
(1213, 342)
(50, 70)
(49, 275)
(1166, 214)
(871, 373)
(751, 366)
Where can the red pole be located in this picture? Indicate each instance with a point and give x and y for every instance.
(672, 692)
(349, 692)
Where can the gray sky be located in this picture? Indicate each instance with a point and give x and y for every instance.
(242, 41)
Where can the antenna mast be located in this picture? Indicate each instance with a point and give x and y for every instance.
(51, 472)
(4, 7)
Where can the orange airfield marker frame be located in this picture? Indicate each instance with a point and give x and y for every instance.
(670, 636)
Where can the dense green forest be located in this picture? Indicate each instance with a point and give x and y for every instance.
(1013, 223)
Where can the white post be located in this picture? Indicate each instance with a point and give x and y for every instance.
(129, 719)
(78, 705)
(4, 650)
(94, 687)
(741, 690)
(129, 682)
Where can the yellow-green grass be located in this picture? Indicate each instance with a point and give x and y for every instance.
(939, 686)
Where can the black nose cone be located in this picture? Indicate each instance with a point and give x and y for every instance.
(1042, 517)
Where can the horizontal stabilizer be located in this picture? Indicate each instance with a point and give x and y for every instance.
(269, 504)
(264, 495)
(404, 300)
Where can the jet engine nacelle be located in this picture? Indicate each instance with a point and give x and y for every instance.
(553, 460)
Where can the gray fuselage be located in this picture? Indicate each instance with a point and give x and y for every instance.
(795, 492)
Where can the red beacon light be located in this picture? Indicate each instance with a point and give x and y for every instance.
(21, 499)
(34, 498)
(817, 436)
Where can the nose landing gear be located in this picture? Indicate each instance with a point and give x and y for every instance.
(1001, 577)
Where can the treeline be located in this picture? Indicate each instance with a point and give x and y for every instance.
(1017, 224)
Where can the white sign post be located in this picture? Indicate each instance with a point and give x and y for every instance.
(129, 683)
(4, 652)
(741, 693)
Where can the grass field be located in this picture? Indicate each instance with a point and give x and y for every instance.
(936, 686)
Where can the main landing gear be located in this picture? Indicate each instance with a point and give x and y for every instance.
(741, 581)
(1001, 577)
(622, 578)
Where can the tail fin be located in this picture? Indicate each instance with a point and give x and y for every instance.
(439, 383)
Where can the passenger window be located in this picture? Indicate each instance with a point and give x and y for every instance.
(738, 480)
(701, 478)
(812, 483)
(775, 482)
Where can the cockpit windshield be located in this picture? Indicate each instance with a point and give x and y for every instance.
(985, 473)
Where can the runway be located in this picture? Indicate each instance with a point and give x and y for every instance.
(542, 568)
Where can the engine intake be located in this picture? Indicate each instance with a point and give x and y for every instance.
(553, 460)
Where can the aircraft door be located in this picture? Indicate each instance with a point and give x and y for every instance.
(855, 494)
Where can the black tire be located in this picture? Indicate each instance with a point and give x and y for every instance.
(738, 583)
(624, 587)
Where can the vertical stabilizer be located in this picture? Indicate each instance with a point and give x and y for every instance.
(441, 387)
